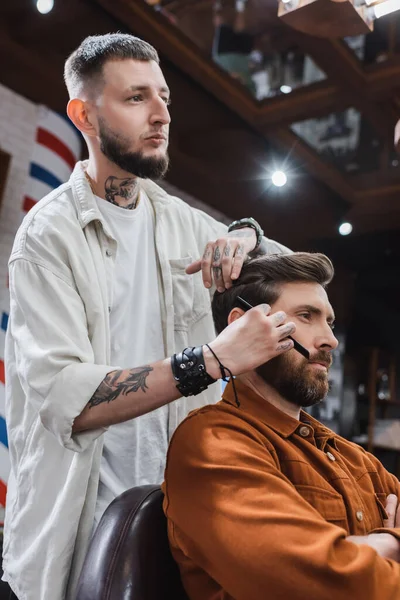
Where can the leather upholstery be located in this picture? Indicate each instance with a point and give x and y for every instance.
(129, 556)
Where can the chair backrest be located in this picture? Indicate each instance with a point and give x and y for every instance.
(129, 556)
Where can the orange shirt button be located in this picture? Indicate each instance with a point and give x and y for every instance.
(304, 431)
(330, 456)
(359, 515)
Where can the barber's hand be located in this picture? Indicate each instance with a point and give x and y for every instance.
(250, 341)
(223, 259)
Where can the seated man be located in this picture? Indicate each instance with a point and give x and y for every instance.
(263, 501)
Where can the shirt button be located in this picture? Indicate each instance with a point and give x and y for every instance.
(359, 515)
(304, 431)
(330, 456)
(109, 309)
(108, 252)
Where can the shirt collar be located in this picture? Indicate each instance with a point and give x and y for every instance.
(276, 419)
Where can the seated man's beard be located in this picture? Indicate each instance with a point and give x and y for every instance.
(114, 147)
(297, 383)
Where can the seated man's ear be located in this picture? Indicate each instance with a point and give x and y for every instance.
(235, 313)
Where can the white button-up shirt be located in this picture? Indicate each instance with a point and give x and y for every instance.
(57, 354)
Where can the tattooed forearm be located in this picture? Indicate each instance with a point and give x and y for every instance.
(122, 192)
(113, 385)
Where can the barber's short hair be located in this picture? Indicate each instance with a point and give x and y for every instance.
(261, 277)
(85, 65)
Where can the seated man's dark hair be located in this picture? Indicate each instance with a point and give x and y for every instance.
(260, 280)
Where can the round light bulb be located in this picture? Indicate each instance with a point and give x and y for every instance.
(279, 178)
(44, 6)
(345, 228)
(285, 89)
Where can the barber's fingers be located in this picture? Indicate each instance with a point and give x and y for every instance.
(238, 259)
(391, 509)
(286, 329)
(278, 318)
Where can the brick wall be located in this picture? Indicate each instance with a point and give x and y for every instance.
(18, 120)
(43, 147)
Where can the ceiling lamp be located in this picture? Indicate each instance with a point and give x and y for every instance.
(279, 178)
(345, 228)
(44, 6)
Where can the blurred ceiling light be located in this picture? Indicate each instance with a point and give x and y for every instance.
(345, 228)
(279, 178)
(285, 89)
(44, 6)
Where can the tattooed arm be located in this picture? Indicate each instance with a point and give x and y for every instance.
(129, 393)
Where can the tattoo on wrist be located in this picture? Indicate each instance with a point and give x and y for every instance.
(122, 192)
(113, 386)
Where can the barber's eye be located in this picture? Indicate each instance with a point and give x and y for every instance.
(332, 326)
(167, 101)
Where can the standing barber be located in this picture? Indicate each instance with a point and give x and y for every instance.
(100, 295)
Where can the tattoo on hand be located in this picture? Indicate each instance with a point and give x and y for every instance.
(217, 254)
(217, 273)
(227, 250)
(112, 386)
(239, 250)
(284, 346)
(122, 192)
(207, 254)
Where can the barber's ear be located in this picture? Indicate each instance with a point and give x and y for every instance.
(82, 117)
(235, 313)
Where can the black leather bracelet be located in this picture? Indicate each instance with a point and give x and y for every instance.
(248, 222)
(189, 370)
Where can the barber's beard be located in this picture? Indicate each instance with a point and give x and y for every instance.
(115, 148)
(297, 382)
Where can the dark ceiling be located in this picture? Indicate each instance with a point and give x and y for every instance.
(225, 143)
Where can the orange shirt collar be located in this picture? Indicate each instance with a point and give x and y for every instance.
(279, 421)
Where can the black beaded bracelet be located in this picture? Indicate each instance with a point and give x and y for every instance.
(189, 370)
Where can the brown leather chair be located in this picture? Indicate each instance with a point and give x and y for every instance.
(129, 556)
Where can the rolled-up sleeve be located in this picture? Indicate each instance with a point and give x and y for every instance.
(54, 359)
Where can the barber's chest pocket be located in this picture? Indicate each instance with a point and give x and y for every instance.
(190, 298)
(329, 504)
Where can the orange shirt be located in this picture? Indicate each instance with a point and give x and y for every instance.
(259, 506)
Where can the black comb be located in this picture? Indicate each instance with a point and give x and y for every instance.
(243, 304)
